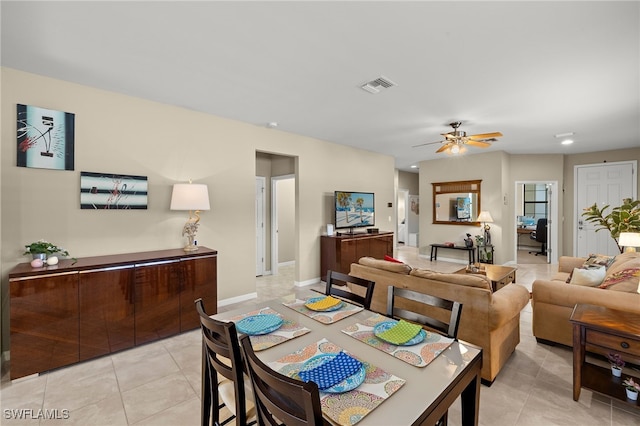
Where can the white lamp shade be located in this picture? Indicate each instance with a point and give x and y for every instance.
(485, 216)
(629, 239)
(190, 196)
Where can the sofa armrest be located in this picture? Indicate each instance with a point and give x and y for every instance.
(568, 295)
(506, 304)
(567, 263)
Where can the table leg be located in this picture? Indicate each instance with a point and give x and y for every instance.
(470, 399)
(434, 253)
(578, 359)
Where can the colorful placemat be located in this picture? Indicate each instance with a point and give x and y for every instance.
(326, 317)
(350, 407)
(419, 355)
(288, 330)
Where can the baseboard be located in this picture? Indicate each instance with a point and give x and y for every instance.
(237, 299)
(307, 282)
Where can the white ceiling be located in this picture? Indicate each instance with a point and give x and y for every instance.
(530, 70)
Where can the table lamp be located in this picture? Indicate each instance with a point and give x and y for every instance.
(485, 218)
(194, 198)
(629, 240)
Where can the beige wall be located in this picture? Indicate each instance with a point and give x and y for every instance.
(120, 134)
(499, 172)
(409, 181)
(286, 219)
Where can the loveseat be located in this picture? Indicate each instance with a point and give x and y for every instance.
(489, 320)
(553, 300)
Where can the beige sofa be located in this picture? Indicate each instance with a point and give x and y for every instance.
(489, 320)
(553, 300)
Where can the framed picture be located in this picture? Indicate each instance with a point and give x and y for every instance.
(104, 191)
(45, 138)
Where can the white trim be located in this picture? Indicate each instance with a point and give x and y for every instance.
(237, 299)
(289, 263)
(307, 282)
(263, 181)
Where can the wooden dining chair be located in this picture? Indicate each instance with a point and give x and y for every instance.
(221, 356)
(335, 279)
(447, 312)
(279, 399)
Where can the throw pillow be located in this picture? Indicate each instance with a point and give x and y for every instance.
(627, 280)
(391, 259)
(597, 260)
(400, 268)
(588, 277)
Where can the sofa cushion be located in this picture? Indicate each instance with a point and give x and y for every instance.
(625, 280)
(591, 277)
(400, 268)
(470, 280)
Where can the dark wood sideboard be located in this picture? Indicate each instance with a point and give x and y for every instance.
(338, 252)
(72, 312)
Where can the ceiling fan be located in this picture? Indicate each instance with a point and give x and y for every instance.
(454, 142)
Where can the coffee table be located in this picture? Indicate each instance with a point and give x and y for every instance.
(499, 275)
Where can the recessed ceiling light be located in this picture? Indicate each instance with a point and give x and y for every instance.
(567, 142)
(414, 166)
(272, 124)
(564, 135)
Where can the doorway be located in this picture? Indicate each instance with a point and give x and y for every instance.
(283, 221)
(536, 200)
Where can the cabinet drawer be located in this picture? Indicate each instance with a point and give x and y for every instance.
(616, 343)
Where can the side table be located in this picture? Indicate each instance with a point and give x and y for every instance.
(603, 330)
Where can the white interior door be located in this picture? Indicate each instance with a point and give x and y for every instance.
(260, 217)
(602, 184)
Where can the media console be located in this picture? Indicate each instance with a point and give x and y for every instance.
(338, 252)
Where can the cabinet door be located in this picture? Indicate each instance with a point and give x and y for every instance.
(106, 311)
(157, 300)
(347, 255)
(381, 246)
(199, 281)
(44, 323)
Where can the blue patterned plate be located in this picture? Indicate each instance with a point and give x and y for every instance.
(347, 384)
(259, 324)
(317, 299)
(386, 325)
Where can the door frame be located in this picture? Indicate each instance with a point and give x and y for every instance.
(552, 216)
(274, 220)
(260, 231)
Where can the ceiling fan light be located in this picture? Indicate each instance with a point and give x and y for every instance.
(567, 142)
(455, 149)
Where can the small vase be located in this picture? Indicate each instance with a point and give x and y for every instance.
(616, 371)
(632, 395)
(41, 256)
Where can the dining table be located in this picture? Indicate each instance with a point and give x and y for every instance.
(416, 394)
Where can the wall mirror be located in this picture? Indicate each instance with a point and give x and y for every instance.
(456, 203)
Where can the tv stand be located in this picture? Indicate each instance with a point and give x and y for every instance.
(338, 252)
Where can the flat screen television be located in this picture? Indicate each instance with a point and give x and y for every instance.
(354, 209)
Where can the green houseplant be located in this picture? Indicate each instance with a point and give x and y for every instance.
(624, 218)
(42, 247)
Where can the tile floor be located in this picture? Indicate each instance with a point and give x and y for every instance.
(159, 383)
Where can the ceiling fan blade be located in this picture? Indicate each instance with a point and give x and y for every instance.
(427, 143)
(480, 144)
(444, 147)
(485, 135)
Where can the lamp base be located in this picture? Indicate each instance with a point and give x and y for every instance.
(629, 249)
(190, 248)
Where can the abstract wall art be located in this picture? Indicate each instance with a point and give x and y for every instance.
(45, 138)
(104, 191)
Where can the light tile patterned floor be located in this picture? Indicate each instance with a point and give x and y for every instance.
(159, 383)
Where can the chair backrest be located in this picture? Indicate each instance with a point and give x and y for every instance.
(334, 277)
(221, 354)
(541, 230)
(449, 309)
(292, 402)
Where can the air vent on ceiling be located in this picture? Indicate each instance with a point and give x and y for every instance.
(374, 86)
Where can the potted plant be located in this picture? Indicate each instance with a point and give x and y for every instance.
(42, 249)
(616, 363)
(632, 388)
(625, 218)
